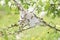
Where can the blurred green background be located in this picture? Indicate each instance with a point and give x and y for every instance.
(9, 14)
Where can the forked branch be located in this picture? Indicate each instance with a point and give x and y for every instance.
(41, 19)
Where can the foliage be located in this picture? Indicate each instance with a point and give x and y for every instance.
(10, 15)
(51, 6)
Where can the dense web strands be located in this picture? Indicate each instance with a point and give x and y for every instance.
(27, 17)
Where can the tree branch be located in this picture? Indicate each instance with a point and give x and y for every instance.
(17, 32)
(41, 19)
(53, 27)
(19, 5)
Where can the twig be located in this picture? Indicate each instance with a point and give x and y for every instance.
(53, 27)
(21, 8)
(19, 5)
(17, 32)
